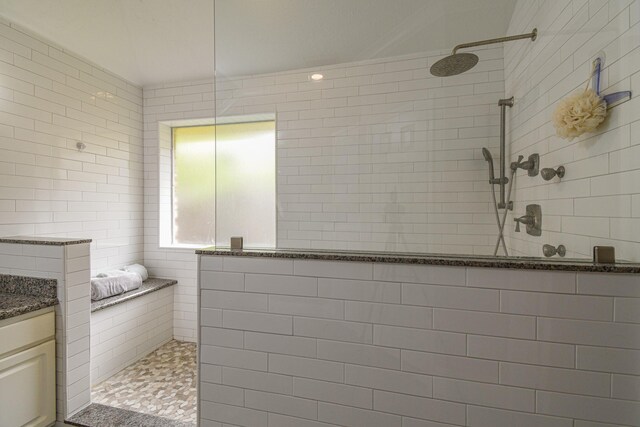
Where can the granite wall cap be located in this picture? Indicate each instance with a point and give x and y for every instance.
(40, 240)
(525, 263)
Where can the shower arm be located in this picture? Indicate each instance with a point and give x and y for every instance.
(532, 35)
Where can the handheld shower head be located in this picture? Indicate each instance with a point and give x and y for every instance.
(487, 156)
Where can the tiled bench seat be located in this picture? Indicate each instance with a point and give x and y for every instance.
(148, 286)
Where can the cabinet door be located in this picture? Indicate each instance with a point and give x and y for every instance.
(28, 387)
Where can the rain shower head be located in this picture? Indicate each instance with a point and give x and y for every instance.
(458, 63)
(454, 64)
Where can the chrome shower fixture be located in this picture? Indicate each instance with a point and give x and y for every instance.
(503, 104)
(489, 158)
(458, 63)
(531, 165)
(549, 173)
(532, 219)
(549, 250)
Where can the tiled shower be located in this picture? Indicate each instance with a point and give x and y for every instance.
(380, 302)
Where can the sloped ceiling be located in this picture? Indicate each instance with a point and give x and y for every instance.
(154, 41)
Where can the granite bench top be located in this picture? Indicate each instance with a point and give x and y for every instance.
(21, 295)
(528, 263)
(148, 286)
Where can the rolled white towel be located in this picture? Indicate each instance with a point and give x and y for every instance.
(105, 287)
(111, 273)
(137, 268)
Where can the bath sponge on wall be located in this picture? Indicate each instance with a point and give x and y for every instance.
(580, 113)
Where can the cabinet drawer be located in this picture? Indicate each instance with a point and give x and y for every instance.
(26, 332)
(28, 387)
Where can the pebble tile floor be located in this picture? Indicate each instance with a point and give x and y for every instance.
(161, 384)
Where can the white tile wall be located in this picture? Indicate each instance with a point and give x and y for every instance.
(70, 266)
(593, 204)
(448, 351)
(77, 302)
(179, 264)
(124, 333)
(52, 99)
(379, 156)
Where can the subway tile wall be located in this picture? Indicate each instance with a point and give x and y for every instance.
(379, 156)
(598, 201)
(50, 99)
(125, 333)
(70, 266)
(162, 261)
(319, 343)
(77, 303)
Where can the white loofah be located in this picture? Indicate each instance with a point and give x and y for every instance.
(580, 113)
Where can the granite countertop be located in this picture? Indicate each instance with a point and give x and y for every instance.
(20, 295)
(39, 240)
(148, 286)
(526, 263)
(12, 305)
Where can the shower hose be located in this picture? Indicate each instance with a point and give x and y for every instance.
(504, 215)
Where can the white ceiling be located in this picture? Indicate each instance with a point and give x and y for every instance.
(154, 41)
(274, 35)
(144, 41)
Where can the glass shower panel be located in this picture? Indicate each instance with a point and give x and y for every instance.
(194, 177)
(375, 152)
(246, 183)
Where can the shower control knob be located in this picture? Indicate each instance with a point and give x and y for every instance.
(533, 220)
(549, 173)
(549, 250)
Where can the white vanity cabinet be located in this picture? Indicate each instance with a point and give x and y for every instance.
(27, 372)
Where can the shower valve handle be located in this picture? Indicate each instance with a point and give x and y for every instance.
(514, 165)
(533, 220)
(525, 219)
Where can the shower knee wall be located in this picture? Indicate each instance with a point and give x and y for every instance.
(350, 343)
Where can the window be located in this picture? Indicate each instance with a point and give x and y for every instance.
(224, 184)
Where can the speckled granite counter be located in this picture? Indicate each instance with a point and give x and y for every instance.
(37, 240)
(21, 295)
(528, 263)
(148, 286)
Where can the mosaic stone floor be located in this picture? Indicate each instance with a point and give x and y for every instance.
(161, 384)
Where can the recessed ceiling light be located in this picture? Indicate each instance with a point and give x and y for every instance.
(317, 76)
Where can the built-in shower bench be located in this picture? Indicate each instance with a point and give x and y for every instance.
(148, 286)
(127, 327)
